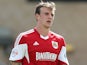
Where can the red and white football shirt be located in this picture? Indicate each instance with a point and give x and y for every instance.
(31, 48)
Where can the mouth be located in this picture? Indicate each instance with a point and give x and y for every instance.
(49, 21)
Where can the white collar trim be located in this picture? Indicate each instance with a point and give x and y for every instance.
(44, 37)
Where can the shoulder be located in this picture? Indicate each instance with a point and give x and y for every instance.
(57, 35)
(26, 33)
(22, 36)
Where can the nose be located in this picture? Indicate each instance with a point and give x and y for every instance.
(50, 16)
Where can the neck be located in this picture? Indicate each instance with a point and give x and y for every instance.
(42, 30)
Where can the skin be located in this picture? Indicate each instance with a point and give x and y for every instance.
(44, 20)
(15, 63)
(43, 26)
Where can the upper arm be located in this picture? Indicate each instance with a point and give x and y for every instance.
(18, 52)
(20, 49)
(62, 55)
(15, 63)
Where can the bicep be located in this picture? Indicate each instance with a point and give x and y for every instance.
(15, 63)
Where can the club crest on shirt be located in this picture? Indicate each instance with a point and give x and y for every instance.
(55, 44)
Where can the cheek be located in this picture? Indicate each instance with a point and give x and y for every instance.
(43, 18)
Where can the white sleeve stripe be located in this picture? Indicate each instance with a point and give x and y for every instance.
(20, 36)
(18, 39)
(18, 52)
(62, 56)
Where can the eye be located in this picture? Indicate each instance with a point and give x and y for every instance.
(46, 13)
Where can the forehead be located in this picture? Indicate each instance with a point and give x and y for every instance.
(46, 9)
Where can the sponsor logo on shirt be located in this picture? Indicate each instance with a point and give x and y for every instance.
(45, 56)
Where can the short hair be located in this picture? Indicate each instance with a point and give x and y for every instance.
(45, 4)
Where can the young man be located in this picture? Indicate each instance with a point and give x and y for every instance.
(40, 46)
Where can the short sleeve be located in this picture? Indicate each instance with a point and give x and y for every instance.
(18, 52)
(21, 39)
(20, 47)
(62, 55)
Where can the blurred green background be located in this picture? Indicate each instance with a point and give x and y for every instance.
(17, 16)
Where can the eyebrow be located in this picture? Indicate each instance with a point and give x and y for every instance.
(48, 13)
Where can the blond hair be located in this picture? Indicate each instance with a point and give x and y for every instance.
(50, 5)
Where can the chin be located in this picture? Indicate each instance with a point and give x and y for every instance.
(47, 26)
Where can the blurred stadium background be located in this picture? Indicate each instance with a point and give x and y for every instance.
(71, 22)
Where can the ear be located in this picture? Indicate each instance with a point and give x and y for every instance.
(37, 16)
